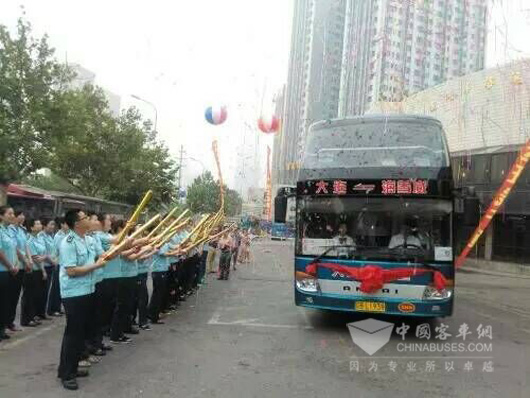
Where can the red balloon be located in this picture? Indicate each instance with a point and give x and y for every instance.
(269, 125)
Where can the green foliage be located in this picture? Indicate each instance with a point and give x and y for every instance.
(204, 196)
(43, 123)
(30, 79)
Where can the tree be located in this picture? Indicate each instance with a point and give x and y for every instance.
(118, 159)
(204, 196)
(233, 202)
(30, 79)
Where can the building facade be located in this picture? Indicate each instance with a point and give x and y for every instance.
(486, 117)
(313, 80)
(394, 48)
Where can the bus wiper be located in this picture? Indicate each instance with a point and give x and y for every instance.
(330, 248)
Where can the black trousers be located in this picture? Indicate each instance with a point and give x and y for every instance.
(15, 287)
(172, 287)
(77, 310)
(42, 299)
(30, 292)
(142, 298)
(224, 264)
(4, 300)
(94, 337)
(54, 300)
(110, 293)
(159, 290)
(121, 320)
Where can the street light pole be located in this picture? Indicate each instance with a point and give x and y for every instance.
(149, 103)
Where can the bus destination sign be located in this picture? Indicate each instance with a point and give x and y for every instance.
(419, 187)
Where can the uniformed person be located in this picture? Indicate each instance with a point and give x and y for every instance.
(121, 322)
(36, 280)
(25, 266)
(8, 266)
(94, 338)
(76, 284)
(111, 273)
(54, 301)
(46, 236)
(159, 268)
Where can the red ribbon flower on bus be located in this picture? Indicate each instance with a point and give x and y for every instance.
(373, 277)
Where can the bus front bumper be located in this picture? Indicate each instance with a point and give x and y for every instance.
(376, 305)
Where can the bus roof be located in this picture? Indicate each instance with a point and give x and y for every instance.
(373, 118)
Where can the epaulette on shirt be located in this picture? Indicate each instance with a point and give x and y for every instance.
(70, 239)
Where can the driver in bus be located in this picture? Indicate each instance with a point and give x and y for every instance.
(342, 239)
(409, 236)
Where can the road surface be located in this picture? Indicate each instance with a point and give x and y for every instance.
(245, 338)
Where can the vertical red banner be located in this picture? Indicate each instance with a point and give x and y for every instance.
(499, 198)
(268, 196)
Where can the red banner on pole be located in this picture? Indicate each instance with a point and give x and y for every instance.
(499, 198)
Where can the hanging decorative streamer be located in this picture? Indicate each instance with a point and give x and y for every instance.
(499, 198)
(267, 211)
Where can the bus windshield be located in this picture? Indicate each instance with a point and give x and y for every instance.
(415, 143)
(375, 228)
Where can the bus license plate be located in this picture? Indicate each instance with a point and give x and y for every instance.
(370, 306)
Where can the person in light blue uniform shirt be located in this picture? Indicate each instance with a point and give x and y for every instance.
(8, 266)
(111, 274)
(121, 320)
(159, 268)
(35, 281)
(46, 235)
(94, 333)
(54, 302)
(76, 282)
(19, 233)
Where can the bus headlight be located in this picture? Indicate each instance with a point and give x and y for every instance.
(306, 283)
(431, 293)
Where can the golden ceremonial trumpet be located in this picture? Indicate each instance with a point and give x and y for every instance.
(135, 216)
(161, 224)
(173, 231)
(195, 229)
(119, 247)
(170, 226)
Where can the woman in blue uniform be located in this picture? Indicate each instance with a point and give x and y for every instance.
(36, 280)
(8, 266)
(46, 235)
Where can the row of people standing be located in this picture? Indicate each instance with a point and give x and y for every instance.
(109, 296)
(101, 296)
(28, 267)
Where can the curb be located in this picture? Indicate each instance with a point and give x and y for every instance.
(495, 273)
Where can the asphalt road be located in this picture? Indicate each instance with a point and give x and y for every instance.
(245, 338)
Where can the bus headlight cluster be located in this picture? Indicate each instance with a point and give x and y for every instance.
(308, 285)
(431, 293)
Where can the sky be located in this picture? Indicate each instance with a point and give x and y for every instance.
(184, 55)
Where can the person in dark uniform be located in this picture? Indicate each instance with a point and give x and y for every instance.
(76, 289)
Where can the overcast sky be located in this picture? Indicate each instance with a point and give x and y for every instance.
(183, 55)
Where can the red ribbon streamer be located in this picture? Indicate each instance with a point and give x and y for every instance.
(373, 277)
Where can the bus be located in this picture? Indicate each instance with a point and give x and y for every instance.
(284, 213)
(374, 220)
(37, 202)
